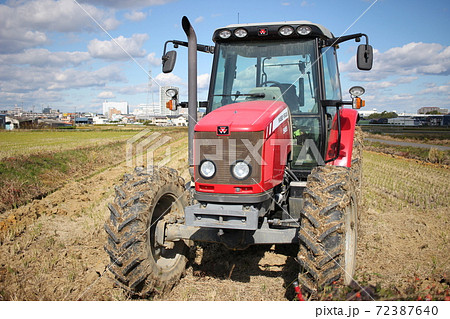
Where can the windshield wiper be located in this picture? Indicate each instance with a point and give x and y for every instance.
(243, 94)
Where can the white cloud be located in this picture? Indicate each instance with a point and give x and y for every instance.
(120, 48)
(36, 85)
(106, 95)
(135, 15)
(30, 79)
(401, 97)
(418, 58)
(408, 60)
(153, 60)
(374, 85)
(45, 58)
(23, 24)
(137, 89)
(120, 4)
(41, 95)
(74, 78)
(436, 89)
(165, 79)
(203, 81)
(199, 19)
(406, 79)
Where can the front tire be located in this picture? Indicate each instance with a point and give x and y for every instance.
(139, 265)
(328, 232)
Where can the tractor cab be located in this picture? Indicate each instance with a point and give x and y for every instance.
(293, 62)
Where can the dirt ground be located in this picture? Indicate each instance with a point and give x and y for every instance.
(52, 249)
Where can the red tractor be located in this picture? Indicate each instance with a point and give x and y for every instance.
(275, 160)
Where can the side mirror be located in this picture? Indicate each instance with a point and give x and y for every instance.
(168, 61)
(364, 57)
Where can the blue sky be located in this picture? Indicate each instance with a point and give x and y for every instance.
(60, 53)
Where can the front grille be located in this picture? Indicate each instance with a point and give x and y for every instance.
(207, 143)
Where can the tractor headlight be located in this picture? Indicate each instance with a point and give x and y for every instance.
(207, 169)
(225, 34)
(172, 93)
(357, 91)
(286, 30)
(304, 30)
(241, 170)
(240, 33)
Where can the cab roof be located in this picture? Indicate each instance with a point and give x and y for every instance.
(324, 30)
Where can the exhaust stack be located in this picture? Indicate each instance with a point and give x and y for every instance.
(192, 87)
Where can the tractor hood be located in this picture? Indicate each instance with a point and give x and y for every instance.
(244, 116)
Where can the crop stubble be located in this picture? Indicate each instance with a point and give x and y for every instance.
(56, 252)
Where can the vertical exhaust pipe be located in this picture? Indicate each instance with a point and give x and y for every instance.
(192, 87)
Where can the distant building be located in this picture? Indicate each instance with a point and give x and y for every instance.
(428, 109)
(160, 120)
(2, 121)
(365, 113)
(17, 111)
(100, 120)
(119, 106)
(52, 123)
(84, 120)
(404, 121)
(113, 112)
(446, 120)
(67, 117)
(180, 121)
(183, 111)
(11, 123)
(146, 111)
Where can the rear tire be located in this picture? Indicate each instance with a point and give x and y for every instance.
(328, 230)
(138, 265)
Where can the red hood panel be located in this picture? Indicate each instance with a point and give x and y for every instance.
(243, 116)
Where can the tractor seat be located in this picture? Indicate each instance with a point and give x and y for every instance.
(289, 94)
(270, 93)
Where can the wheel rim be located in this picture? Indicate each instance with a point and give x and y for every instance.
(165, 259)
(350, 242)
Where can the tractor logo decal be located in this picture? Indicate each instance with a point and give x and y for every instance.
(223, 130)
(283, 116)
(263, 31)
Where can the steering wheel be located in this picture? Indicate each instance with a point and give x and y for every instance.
(271, 82)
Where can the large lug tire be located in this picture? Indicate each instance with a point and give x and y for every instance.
(137, 263)
(328, 232)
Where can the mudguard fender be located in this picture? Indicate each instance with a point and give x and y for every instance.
(348, 119)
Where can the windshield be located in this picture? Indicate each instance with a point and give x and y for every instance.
(276, 70)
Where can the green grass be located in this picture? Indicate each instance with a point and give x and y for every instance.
(23, 178)
(34, 163)
(20, 143)
(438, 135)
(424, 154)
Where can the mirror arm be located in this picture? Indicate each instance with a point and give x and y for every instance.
(200, 47)
(356, 36)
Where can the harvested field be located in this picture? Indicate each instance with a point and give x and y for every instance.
(52, 248)
(405, 228)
